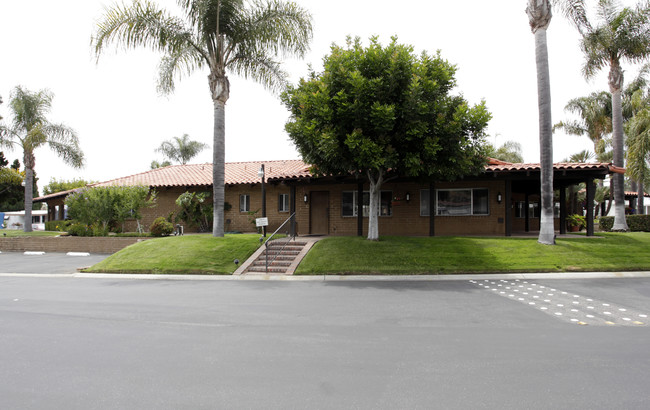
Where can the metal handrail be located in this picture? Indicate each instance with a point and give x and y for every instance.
(292, 235)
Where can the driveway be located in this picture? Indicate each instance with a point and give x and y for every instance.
(46, 263)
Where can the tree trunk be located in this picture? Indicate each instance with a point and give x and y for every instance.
(373, 212)
(539, 14)
(220, 89)
(615, 86)
(640, 194)
(29, 161)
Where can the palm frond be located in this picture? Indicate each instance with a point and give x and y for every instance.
(261, 68)
(63, 141)
(576, 12)
(175, 65)
(141, 24)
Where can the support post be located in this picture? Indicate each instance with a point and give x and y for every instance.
(508, 201)
(432, 209)
(292, 208)
(591, 191)
(527, 213)
(562, 210)
(360, 209)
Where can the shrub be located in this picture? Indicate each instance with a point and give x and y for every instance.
(195, 209)
(161, 227)
(79, 229)
(61, 226)
(636, 223)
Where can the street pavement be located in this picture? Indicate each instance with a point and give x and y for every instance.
(112, 342)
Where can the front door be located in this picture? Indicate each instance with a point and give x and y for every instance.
(319, 213)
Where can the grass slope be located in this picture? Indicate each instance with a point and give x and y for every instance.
(181, 254)
(441, 255)
(12, 233)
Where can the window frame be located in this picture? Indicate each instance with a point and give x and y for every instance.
(436, 209)
(247, 203)
(365, 207)
(283, 203)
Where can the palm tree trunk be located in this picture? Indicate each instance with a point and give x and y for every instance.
(539, 14)
(640, 194)
(615, 86)
(220, 88)
(28, 159)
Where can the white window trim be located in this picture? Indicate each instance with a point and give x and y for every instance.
(247, 203)
(471, 206)
(281, 203)
(355, 194)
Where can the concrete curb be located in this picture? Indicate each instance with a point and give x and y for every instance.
(368, 278)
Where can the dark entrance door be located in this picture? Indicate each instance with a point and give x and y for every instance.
(319, 213)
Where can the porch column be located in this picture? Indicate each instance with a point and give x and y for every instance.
(527, 213)
(292, 208)
(508, 201)
(591, 190)
(562, 209)
(432, 210)
(360, 209)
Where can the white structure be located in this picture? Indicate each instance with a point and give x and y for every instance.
(16, 220)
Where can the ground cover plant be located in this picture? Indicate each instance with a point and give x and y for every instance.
(445, 255)
(189, 254)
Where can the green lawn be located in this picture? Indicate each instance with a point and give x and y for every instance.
(202, 254)
(443, 255)
(10, 233)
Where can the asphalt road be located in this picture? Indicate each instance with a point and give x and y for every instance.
(78, 343)
(48, 263)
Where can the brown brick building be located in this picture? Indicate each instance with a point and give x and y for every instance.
(503, 200)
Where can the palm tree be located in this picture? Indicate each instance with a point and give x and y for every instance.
(638, 142)
(539, 16)
(623, 35)
(181, 149)
(595, 112)
(30, 130)
(222, 35)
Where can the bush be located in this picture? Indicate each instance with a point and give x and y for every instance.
(61, 226)
(79, 229)
(161, 227)
(636, 223)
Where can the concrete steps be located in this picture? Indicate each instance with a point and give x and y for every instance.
(282, 256)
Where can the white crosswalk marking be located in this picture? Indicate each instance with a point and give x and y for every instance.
(565, 306)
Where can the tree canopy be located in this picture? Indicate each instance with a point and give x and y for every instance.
(382, 112)
(181, 149)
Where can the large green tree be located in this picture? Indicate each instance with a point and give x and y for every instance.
(623, 34)
(382, 112)
(30, 129)
(241, 37)
(510, 151)
(539, 17)
(181, 149)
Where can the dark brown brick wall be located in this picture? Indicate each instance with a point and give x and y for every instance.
(67, 244)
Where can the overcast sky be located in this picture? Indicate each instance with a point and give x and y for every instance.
(120, 119)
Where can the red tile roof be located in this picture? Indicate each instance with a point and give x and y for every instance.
(496, 165)
(201, 175)
(246, 173)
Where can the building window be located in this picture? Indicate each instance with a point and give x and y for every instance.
(283, 203)
(244, 203)
(424, 202)
(461, 202)
(349, 203)
(534, 209)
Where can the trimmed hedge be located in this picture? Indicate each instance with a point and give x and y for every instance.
(636, 223)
